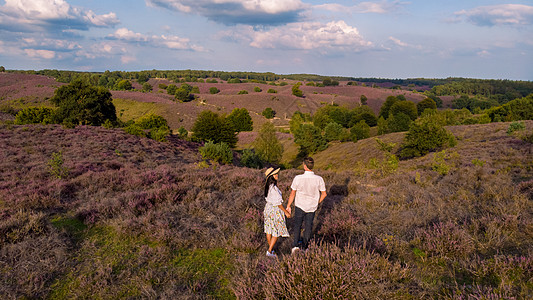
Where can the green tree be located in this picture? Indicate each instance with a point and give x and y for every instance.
(362, 113)
(360, 131)
(2, 69)
(427, 103)
(426, 135)
(267, 146)
(147, 87)
(210, 126)
(310, 139)
(382, 126)
(268, 113)
(385, 108)
(124, 84)
(241, 120)
(296, 90)
(171, 89)
(80, 103)
(334, 132)
(406, 107)
(398, 122)
(364, 100)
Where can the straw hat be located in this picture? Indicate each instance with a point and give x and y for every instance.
(271, 171)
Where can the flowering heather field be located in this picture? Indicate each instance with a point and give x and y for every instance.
(96, 213)
(23, 89)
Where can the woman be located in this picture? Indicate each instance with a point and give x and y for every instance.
(274, 210)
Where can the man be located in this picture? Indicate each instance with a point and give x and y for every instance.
(307, 191)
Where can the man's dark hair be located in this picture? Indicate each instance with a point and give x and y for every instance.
(309, 162)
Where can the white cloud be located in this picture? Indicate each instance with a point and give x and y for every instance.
(54, 15)
(504, 14)
(325, 38)
(381, 7)
(46, 54)
(168, 41)
(268, 12)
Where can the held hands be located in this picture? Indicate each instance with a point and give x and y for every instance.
(288, 212)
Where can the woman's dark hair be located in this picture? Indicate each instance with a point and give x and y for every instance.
(270, 181)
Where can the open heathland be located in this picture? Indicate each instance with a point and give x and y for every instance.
(91, 212)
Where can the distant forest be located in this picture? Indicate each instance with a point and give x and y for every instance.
(500, 91)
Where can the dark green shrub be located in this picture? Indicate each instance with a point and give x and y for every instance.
(147, 87)
(159, 134)
(427, 103)
(518, 109)
(171, 89)
(272, 91)
(152, 121)
(135, 130)
(515, 126)
(257, 89)
(214, 90)
(268, 113)
(399, 122)
(242, 92)
(250, 159)
(80, 103)
(241, 120)
(426, 135)
(310, 139)
(218, 152)
(385, 108)
(124, 84)
(333, 132)
(209, 126)
(34, 115)
(296, 90)
(182, 133)
(406, 107)
(360, 131)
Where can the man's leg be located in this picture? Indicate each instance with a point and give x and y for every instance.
(308, 219)
(298, 219)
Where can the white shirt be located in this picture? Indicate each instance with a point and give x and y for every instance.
(308, 187)
(274, 196)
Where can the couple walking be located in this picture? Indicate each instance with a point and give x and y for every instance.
(307, 191)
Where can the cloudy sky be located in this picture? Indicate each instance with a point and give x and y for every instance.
(385, 38)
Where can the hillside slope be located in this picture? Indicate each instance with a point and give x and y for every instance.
(117, 216)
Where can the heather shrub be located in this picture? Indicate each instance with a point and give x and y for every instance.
(425, 135)
(218, 152)
(33, 115)
(445, 240)
(330, 272)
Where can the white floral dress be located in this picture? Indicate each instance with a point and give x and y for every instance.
(274, 216)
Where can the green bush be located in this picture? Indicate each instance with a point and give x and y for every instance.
(426, 135)
(81, 103)
(399, 122)
(250, 159)
(241, 120)
(214, 90)
(360, 131)
(272, 91)
(159, 134)
(310, 139)
(515, 126)
(268, 113)
(257, 89)
(135, 130)
(242, 92)
(182, 132)
(152, 121)
(210, 126)
(171, 89)
(218, 152)
(147, 87)
(34, 115)
(333, 132)
(56, 167)
(296, 90)
(515, 110)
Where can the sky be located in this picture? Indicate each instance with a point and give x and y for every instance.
(487, 39)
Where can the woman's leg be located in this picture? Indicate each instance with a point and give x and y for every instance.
(272, 242)
(269, 238)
